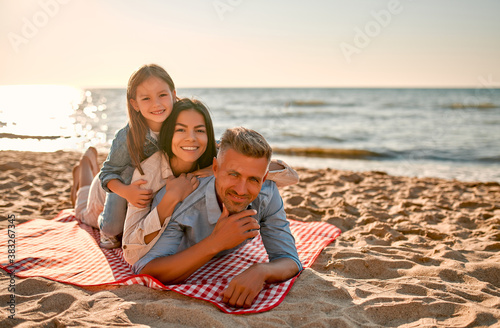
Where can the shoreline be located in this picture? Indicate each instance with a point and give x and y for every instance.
(413, 252)
(448, 170)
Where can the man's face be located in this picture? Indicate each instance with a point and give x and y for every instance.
(238, 179)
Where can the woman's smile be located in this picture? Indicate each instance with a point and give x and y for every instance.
(189, 140)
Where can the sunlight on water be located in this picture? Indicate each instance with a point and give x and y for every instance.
(40, 110)
(413, 132)
(42, 118)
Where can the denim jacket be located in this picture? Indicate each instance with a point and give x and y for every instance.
(119, 165)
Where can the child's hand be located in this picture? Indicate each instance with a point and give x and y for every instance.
(179, 188)
(202, 173)
(275, 165)
(137, 196)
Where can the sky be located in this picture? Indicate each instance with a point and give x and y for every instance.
(258, 43)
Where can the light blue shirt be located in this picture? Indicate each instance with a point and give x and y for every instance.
(195, 218)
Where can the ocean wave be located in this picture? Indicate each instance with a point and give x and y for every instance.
(315, 103)
(302, 136)
(20, 136)
(328, 152)
(491, 159)
(404, 155)
(483, 105)
(306, 103)
(276, 114)
(444, 156)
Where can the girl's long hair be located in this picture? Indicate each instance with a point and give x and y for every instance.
(168, 129)
(136, 135)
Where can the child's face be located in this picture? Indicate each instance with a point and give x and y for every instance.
(155, 101)
(190, 139)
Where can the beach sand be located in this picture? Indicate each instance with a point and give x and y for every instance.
(413, 253)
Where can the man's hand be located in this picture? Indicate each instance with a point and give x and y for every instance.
(232, 230)
(243, 289)
(137, 196)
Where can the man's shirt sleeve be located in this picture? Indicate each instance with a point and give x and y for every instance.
(275, 228)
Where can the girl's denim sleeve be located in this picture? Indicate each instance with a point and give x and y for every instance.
(118, 160)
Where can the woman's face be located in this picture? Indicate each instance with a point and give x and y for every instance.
(189, 140)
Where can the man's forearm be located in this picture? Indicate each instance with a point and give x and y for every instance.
(229, 232)
(178, 267)
(278, 270)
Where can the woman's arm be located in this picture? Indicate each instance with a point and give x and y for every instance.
(176, 190)
(140, 221)
(143, 225)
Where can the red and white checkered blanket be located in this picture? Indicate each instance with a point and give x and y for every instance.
(64, 250)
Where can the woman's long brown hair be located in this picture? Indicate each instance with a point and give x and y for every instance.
(136, 135)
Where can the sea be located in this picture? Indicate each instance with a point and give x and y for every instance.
(445, 133)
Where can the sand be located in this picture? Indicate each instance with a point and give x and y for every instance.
(413, 253)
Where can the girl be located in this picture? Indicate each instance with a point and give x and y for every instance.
(150, 98)
(187, 144)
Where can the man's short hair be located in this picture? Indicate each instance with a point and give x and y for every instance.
(246, 142)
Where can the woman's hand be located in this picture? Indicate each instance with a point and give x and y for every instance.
(202, 173)
(177, 189)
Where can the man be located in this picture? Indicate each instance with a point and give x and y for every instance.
(216, 218)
